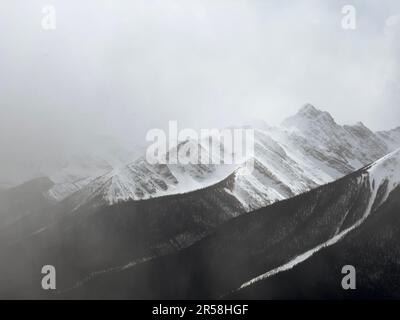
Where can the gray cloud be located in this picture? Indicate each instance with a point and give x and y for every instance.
(121, 67)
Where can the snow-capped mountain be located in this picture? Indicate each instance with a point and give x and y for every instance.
(73, 168)
(307, 150)
(294, 248)
(347, 147)
(101, 157)
(379, 179)
(141, 180)
(391, 137)
(369, 243)
(139, 214)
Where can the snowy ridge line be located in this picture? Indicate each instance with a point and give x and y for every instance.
(178, 191)
(306, 150)
(377, 174)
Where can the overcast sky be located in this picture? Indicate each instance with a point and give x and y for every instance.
(121, 67)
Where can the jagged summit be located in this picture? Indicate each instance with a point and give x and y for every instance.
(360, 124)
(308, 115)
(308, 108)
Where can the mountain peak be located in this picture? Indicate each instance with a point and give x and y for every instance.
(360, 124)
(308, 108)
(307, 114)
(312, 112)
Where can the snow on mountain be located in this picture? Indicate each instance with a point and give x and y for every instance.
(385, 171)
(62, 190)
(391, 138)
(80, 169)
(141, 180)
(383, 176)
(271, 242)
(307, 150)
(276, 176)
(345, 147)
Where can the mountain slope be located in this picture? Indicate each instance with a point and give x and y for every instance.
(257, 246)
(373, 249)
(17, 202)
(391, 138)
(99, 238)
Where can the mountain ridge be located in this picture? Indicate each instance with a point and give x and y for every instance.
(333, 149)
(268, 239)
(288, 166)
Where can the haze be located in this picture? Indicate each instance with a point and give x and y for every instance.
(118, 68)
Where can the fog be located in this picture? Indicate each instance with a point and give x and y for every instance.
(119, 68)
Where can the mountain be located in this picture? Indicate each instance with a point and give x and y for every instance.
(346, 147)
(71, 169)
(372, 248)
(78, 170)
(101, 238)
(142, 212)
(391, 137)
(304, 153)
(308, 150)
(294, 248)
(18, 202)
(75, 173)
